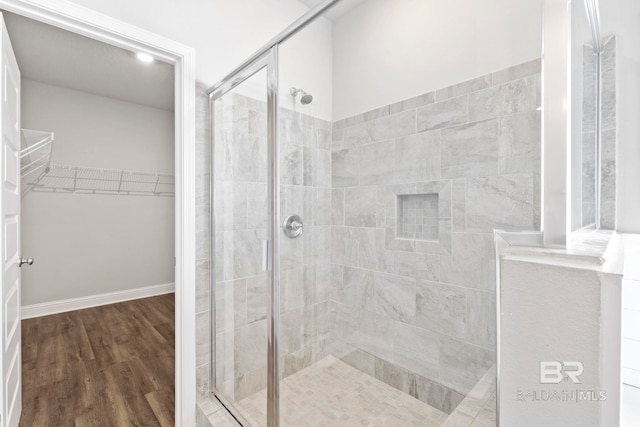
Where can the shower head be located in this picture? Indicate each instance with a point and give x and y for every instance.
(305, 98)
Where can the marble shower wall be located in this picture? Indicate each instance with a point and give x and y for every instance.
(420, 314)
(305, 262)
(240, 176)
(608, 133)
(240, 200)
(588, 143)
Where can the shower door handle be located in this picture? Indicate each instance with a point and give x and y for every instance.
(266, 255)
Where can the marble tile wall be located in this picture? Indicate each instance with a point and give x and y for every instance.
(417, 314)
(478, 409)
(240, 172)
(423, 309)
(305, 262)
(240, 200)
(589, 112)
(608, 134)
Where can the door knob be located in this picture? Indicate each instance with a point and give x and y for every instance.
(28, 261)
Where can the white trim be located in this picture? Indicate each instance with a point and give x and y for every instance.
(556, 120)
(71, 304)
(503, 240)
(81, 20)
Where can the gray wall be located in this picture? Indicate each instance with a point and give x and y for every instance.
(88, 244)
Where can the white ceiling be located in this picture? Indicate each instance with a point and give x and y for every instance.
(54, 56)
(336, 11)
(310, 3)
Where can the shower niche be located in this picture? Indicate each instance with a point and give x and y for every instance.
(418, 216)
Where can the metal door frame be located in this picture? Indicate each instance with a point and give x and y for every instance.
(269, 61)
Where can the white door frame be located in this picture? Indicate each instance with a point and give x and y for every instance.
(84, 21)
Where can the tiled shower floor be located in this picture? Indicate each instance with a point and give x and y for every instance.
(331, 393)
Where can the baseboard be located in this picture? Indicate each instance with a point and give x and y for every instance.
(54, 307)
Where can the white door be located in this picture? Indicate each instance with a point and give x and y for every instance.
(11, 393)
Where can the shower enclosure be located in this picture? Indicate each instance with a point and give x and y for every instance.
(593, 125)
(355, 188)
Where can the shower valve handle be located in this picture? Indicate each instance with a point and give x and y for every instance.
(292, 226)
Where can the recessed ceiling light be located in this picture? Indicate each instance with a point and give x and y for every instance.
(144, 57)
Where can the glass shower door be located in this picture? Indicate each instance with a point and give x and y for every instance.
(240, 288)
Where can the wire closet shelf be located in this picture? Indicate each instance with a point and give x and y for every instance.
(35, 157)
(38, 174)
(86, 180)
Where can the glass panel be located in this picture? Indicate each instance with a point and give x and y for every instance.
(241, 285)
(593, 123)
(409, 131)
(585, 117)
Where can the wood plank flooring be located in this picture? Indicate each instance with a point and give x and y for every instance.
(104, 366)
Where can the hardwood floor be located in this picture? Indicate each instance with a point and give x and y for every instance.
(104, 366)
